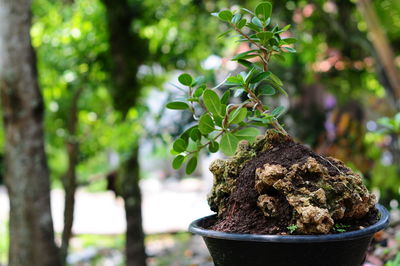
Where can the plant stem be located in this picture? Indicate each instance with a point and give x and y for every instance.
(260, 107)
(265, 59)
(206, 144)
(248, 38)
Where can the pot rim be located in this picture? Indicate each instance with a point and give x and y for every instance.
(383, 222)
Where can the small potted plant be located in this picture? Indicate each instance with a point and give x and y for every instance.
(276, 201)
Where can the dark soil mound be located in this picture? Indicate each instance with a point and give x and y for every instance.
(242, 213)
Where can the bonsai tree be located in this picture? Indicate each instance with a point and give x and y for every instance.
(270, 184)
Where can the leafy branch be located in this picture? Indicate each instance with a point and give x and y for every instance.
(220, 125)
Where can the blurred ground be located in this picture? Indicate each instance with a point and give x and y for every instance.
(167, 207)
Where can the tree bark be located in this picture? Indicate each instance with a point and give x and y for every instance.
(382, 46)
(69, 179)
(26, 175)
(127, 52)
(134, 242)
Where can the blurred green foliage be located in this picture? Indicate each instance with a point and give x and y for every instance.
(336, 83)
(71, 43)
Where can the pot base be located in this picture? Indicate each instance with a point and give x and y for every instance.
(348, 249)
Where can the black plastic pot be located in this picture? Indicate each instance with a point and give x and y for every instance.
(344, 249)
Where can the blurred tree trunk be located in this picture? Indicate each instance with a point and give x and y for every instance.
(382, 46)
(127, 52)
(129, 177)
(27, 175)
(69, 179)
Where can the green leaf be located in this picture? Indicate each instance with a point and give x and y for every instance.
(289, 49)
(285, 28)
(274, 43)
(195, 134)
(257, 22)
(253, 27)
(206, 124)
(279, 57)
(266, 90)
(234, 80)
(225, 97)
(264, 36)
(245, 55)
(177, 162)
(185, 79)
(241, 23)
(223, 110)
(248, 134)
(275, 79)
(218, 120)
(180, 145)
(237, 116)
(224, 33)
(278, 111)
(250, 75)
(281, 90)
(260, 77)
(289, 40)
(228, 144)
(212, 102)
(198, 92)
(191, 165)
(263, 10)
(186, 134)
(245, 63)
(236, 18)
(213, 146)
(177, 105)
(225, 15)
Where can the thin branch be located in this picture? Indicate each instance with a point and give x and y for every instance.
(248, 38)
(206, 144)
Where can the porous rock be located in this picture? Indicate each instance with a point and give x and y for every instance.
(320, 190)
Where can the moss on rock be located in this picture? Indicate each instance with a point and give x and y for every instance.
(321, 190)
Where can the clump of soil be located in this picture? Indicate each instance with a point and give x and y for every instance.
(276, 182)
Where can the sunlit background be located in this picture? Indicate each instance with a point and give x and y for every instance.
(342, 103)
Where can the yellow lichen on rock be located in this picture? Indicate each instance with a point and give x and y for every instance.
(317, 198)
